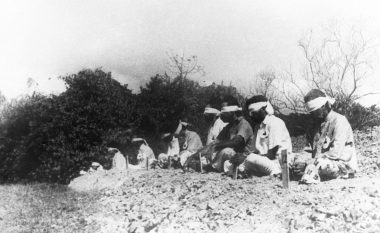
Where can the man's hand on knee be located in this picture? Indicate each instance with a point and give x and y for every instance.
(238, 159)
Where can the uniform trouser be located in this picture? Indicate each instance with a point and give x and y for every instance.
(221, 157)
(134, 167)
(163, 159)
(142, 163)
(326, 169)
(184, 155)
(256, 164)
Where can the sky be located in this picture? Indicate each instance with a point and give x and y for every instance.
(232, 39)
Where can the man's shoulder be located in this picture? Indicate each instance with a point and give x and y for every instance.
(244, 122)
(219, 123)
(338, 117)
(275, 121)
(192, 133)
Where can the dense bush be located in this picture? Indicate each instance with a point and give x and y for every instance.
(163, 101)
(52, 138)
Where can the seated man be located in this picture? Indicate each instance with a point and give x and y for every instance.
(145, 155)
(191, 143)
(216, 125)
(333, 142)
(171, 150)
(118, 161)
(270, 137)
(236, 137)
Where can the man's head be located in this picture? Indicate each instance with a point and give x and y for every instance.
(258, 108)
(211, 113)
(184, 124)
(138, 141)
(231, 109)
(166, 137)
(318, 104)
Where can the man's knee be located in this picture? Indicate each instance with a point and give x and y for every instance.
(184, 155)
(227, 153)
(262, 165)
(228, 167)
(251, 158)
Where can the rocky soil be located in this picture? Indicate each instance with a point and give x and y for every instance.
(170, 201)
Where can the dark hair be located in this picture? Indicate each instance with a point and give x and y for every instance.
(214, 102)
(255, 99)
(230, 100)
(313, 94)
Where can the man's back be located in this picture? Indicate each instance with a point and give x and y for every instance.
(192, 141)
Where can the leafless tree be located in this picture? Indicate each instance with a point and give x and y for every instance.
(183, 66)
(266, 83)
(335, 62)
(338, 64)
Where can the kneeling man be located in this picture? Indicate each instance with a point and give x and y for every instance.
(333, 146)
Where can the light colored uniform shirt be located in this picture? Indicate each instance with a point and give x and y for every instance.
(173, 148)
(119, 162)
(215, 130)
(144, 153)
(192, 141)
(335, 140)
(270, 133)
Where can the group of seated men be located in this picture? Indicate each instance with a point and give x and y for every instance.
(232, 144)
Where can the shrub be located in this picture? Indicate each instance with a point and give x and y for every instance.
(51, 138)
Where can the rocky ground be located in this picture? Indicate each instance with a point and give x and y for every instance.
(171, 201)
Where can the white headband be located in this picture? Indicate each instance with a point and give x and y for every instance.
(257, 106)
(316, 103)
(211, 111)
(232, 108)
(139, 140)
(184, 123)
(165, 135)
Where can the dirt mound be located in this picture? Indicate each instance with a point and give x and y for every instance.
(368, 148)
(171, 201)
(101, 179)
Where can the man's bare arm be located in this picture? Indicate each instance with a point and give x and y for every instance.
(237, 141)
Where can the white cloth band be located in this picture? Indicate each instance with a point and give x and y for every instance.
(184, 123)
(232, 108)
(165, 135)
(211, 111)
(139, 140)
(257, 106)
(316, 103)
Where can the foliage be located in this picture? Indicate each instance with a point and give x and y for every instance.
(52, 138)
(163, 101)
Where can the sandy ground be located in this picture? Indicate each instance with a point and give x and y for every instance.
(171, 201)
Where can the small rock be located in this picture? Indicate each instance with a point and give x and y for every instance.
(370, 191)
(174, 207)
(212, 204)
(318, 217)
